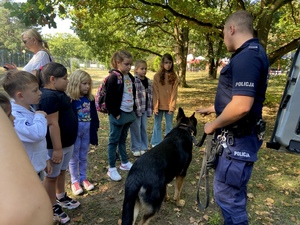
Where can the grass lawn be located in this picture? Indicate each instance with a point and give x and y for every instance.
(274, 195)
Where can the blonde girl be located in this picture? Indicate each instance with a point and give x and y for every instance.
(83, 103)
(144, 108)
(165, 88)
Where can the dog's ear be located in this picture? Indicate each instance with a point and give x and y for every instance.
(180, 114)
(193, 121)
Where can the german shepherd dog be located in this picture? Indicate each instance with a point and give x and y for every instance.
(146, 183)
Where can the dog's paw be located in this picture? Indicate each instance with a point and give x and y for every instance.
(180, 203)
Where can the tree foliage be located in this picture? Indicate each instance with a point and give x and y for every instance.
(154, 27)
(64, 46)
(69, 46)
(11, 30)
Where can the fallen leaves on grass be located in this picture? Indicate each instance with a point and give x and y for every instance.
(103, 188)
(193, 183)
(77, 218)
(193, 220)
(250, 196)
(110, 197)
(177, 210)
(262, 213)
(261, 186)
(296, 200)
(206, 217)
(286, 204)
(269, 202)
(195, 207)
(272, 168)
(292, 218)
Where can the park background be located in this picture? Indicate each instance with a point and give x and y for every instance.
(273, 191)
(148, 29)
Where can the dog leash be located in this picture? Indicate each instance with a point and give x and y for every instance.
(200, 143)
(204, 174)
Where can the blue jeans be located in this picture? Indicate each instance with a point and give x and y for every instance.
(118, 130)
(157, 130)
(138, 134)
(78, 162)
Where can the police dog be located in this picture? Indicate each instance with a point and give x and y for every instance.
(147, 180)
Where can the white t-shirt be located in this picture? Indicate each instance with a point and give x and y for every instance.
(39, 59)
(127, 98)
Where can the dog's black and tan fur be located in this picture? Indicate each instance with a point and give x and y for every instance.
(147, 180)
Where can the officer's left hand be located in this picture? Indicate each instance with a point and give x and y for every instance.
(209, 128)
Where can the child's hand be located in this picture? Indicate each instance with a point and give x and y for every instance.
(42, 112)
(57, 156)
(48, 168)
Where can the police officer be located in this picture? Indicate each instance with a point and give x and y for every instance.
(238, 107)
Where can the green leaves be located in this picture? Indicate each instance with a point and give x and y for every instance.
(147, 26)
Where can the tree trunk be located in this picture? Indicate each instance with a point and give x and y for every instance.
(212, 68)
(182, 44)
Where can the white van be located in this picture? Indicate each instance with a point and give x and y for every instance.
(286, 133)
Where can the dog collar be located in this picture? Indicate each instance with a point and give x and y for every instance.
(189, 128)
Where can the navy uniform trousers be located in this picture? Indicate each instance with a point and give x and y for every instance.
(230, 184)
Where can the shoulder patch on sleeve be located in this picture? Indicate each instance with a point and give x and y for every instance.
(254, 47)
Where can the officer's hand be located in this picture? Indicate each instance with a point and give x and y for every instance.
(209, 128)
(205, 111)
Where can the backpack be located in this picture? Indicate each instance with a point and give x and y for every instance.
(101, 94)
(100, 97)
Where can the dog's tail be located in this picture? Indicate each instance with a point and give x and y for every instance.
(131, 198)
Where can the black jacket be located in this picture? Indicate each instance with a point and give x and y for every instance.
(114, 92)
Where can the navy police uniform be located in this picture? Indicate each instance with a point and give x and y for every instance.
(246, 75)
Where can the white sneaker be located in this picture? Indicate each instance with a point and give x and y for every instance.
(113, 174)
(143, 152)
(136, 153)
(126, 166)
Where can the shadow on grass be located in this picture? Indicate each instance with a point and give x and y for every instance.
(274, 196)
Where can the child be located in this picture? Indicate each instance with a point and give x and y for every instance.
(6, 106)
(144, 108)
(165, 87)
(83, 102)
(61, 135)
(30, 125)
(119, 101)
